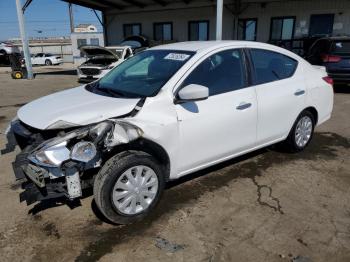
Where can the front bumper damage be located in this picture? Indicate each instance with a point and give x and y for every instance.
(67, 180)
(39, 183)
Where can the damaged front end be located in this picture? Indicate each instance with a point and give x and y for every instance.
(56, 163)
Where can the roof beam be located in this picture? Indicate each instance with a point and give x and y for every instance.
(135, 3)
(160, 2)
(112, 4)
(96, 5)
(26, 4)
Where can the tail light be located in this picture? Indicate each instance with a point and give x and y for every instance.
(331, 58)
(329, 80)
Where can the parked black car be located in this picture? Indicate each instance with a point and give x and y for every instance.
(334, 54)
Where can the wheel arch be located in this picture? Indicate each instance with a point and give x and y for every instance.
(314, 112)
(146, 146)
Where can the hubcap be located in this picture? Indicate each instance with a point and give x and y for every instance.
(303, 131)
(135, 190)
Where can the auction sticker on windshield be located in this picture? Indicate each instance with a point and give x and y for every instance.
(177, 56)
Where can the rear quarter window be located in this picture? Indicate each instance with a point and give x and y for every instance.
(269, 66)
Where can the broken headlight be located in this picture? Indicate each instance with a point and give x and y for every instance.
(52, 156)
(53, 152)
(83, 151)
(81, 144)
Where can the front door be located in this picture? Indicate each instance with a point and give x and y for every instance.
(224, 124)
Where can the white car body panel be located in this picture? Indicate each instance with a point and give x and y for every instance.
(276, 115)
(199, 134)
(320, 95)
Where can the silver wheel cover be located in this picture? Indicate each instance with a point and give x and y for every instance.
(135, 190)
(303, 131)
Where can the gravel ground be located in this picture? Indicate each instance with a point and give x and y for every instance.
(265, 206)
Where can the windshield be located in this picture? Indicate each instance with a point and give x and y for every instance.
(142, 75)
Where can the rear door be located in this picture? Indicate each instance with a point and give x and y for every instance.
(225, 123)
(281, 91)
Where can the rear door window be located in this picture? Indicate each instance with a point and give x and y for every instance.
(269, 66)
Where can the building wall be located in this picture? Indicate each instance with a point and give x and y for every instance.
(87, 36)
(302, 10)
(185, 13)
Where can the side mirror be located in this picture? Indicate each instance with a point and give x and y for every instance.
(192, 92)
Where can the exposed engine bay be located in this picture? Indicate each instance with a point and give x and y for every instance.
(100, 61)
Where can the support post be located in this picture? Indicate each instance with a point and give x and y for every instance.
(71, 18)
(25, 44)
(219, 10)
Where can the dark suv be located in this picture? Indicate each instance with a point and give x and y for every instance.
(334, 54)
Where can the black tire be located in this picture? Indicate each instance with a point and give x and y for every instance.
(108, 176)
(48, 62)
(17, 75)
(290, 144)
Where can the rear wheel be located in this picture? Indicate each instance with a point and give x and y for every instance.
(301, 133)
(48, 62)
(128, 187)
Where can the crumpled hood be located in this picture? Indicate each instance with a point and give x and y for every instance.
(92, 50)
(76, 106)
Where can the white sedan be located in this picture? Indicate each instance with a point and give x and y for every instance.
(46, 59)
(165, 113)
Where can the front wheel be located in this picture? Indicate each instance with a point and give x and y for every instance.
(48, 62)
(301, 133)
(128, 187)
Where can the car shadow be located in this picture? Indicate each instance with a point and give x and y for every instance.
(342, 88)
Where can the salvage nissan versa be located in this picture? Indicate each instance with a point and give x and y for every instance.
(164, 113)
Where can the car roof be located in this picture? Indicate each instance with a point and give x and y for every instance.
(198, 46)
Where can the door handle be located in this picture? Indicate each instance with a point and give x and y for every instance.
(243, 106)
(299, 92)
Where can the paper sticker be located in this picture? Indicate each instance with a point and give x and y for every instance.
(176, 56)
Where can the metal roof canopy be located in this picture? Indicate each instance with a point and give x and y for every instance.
(126, 5)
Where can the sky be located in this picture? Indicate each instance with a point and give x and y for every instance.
(49, 16)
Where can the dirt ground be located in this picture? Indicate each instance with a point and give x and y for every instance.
(266, 206)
